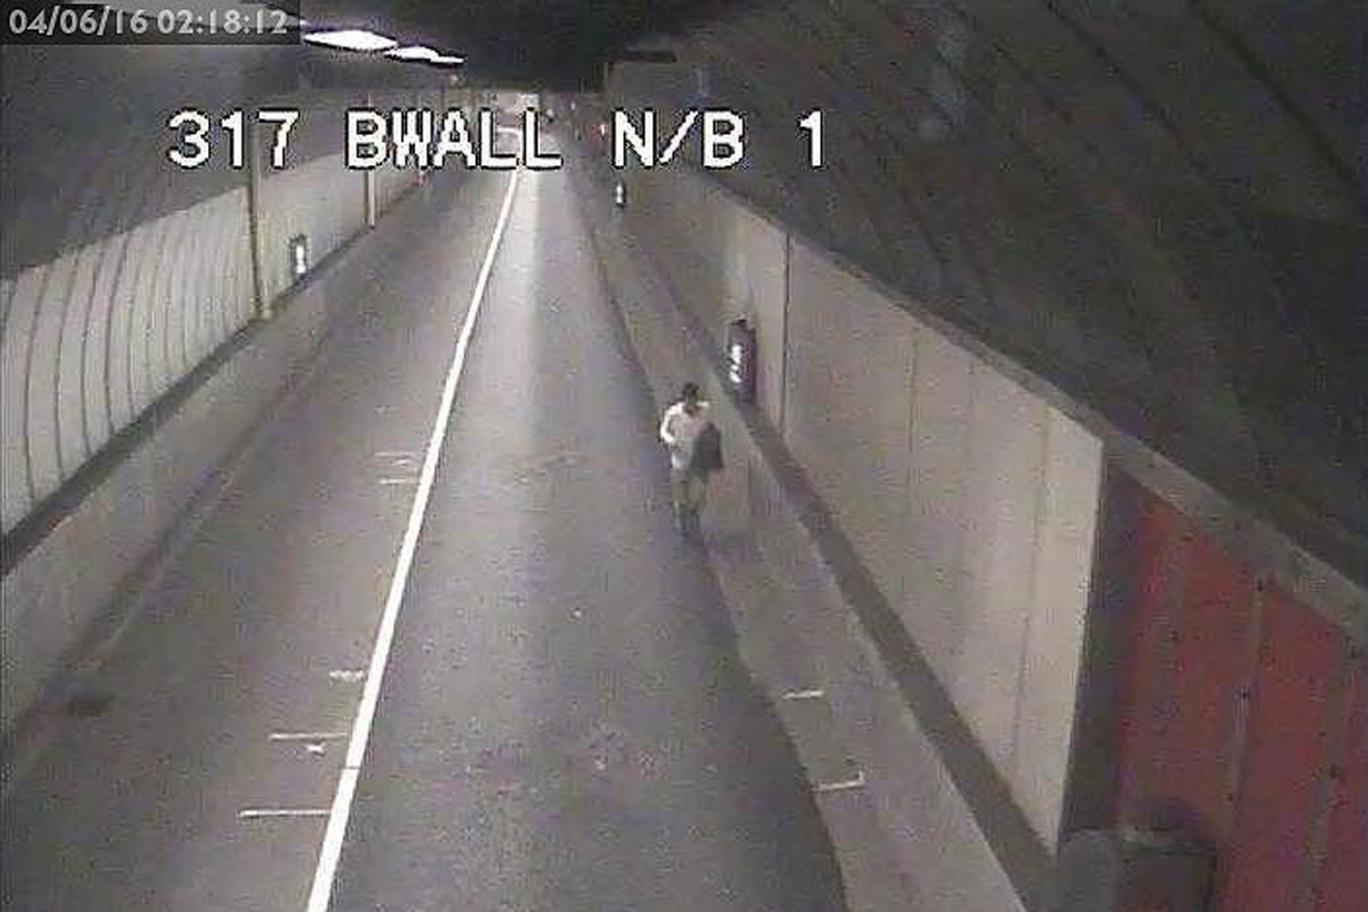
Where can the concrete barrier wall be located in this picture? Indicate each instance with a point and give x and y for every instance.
(969, 500)
(391, 181)
(847, 411)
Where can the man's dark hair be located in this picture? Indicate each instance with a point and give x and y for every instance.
(690, 393)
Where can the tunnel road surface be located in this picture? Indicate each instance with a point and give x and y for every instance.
(564, 722)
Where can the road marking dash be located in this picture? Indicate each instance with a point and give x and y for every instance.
(804, 695)
(849, 784)
(330, 853)
(306, 736)
(274, 813)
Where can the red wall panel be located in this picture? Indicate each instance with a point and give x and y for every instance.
(1211, 642)
(1299, 682)
(1242, 725)
(1343, 885)
(1155, 535)
(1193, 623)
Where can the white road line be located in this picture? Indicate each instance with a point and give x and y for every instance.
(272, 813)
(391, 482)
(307, 736)
(331, 851)
(858, 782)
(804, 695)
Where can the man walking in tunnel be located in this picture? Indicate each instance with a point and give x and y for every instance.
(683, 428)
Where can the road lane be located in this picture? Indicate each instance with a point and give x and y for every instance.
(282, 586)
(320, 893)
(565, 723)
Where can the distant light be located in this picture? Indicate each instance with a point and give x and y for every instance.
(418, 52)
(413, 52)
(352, 40)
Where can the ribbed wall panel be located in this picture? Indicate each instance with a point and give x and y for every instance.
(93, 338)
(41, 379)
(13, 369)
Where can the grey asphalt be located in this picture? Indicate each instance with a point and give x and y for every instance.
(565, 723)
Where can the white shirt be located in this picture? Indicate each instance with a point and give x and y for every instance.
(680, 430)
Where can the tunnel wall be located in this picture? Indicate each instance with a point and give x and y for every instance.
(971, 500)
(92, 338)
(320, 200)
(96, 335)
(123, 383)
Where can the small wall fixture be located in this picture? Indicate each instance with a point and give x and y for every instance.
(299, 256)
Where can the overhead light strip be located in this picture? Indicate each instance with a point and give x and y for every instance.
(421, 54)
(352, 40)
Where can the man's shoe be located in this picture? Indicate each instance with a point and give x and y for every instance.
(691, 526)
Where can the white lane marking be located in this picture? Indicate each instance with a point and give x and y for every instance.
(804, 695)
(391, 482)
(307, 736)
(346, 674)
(405, 455)
(272, 813)
(331, 852)
(847, 785)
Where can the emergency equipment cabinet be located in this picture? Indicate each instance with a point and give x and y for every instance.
(741, 358)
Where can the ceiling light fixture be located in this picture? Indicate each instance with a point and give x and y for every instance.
(412, 52)
(418, 52)
(352, 40)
